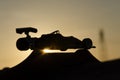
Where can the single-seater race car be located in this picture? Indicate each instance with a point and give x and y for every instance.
(54, 41)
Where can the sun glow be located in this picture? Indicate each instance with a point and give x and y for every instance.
(47, 50)
(50, 51)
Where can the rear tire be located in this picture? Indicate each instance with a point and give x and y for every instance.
(22, 44)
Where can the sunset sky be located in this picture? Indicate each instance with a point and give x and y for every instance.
(78, 18)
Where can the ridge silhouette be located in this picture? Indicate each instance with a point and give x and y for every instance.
(45, 65)
(81, 65)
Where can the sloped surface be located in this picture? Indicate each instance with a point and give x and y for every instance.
(80, 65)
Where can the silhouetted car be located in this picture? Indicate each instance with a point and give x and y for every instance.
(53, 40)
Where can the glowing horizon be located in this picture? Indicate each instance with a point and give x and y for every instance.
(47, 50)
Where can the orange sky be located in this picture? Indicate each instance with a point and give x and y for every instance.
(79, 18)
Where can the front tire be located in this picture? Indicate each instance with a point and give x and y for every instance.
(87, 42)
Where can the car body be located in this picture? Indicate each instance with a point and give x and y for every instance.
(57, 41)
(54, 41)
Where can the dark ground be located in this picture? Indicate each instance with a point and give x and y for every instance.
(80, 65)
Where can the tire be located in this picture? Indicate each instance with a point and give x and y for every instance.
(87, 43)
(22, 44)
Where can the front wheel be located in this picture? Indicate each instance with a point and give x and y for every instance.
(87, 42)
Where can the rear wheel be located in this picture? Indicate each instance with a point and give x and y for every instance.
(22, 44)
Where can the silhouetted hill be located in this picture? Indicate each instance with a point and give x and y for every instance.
(81, 65)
